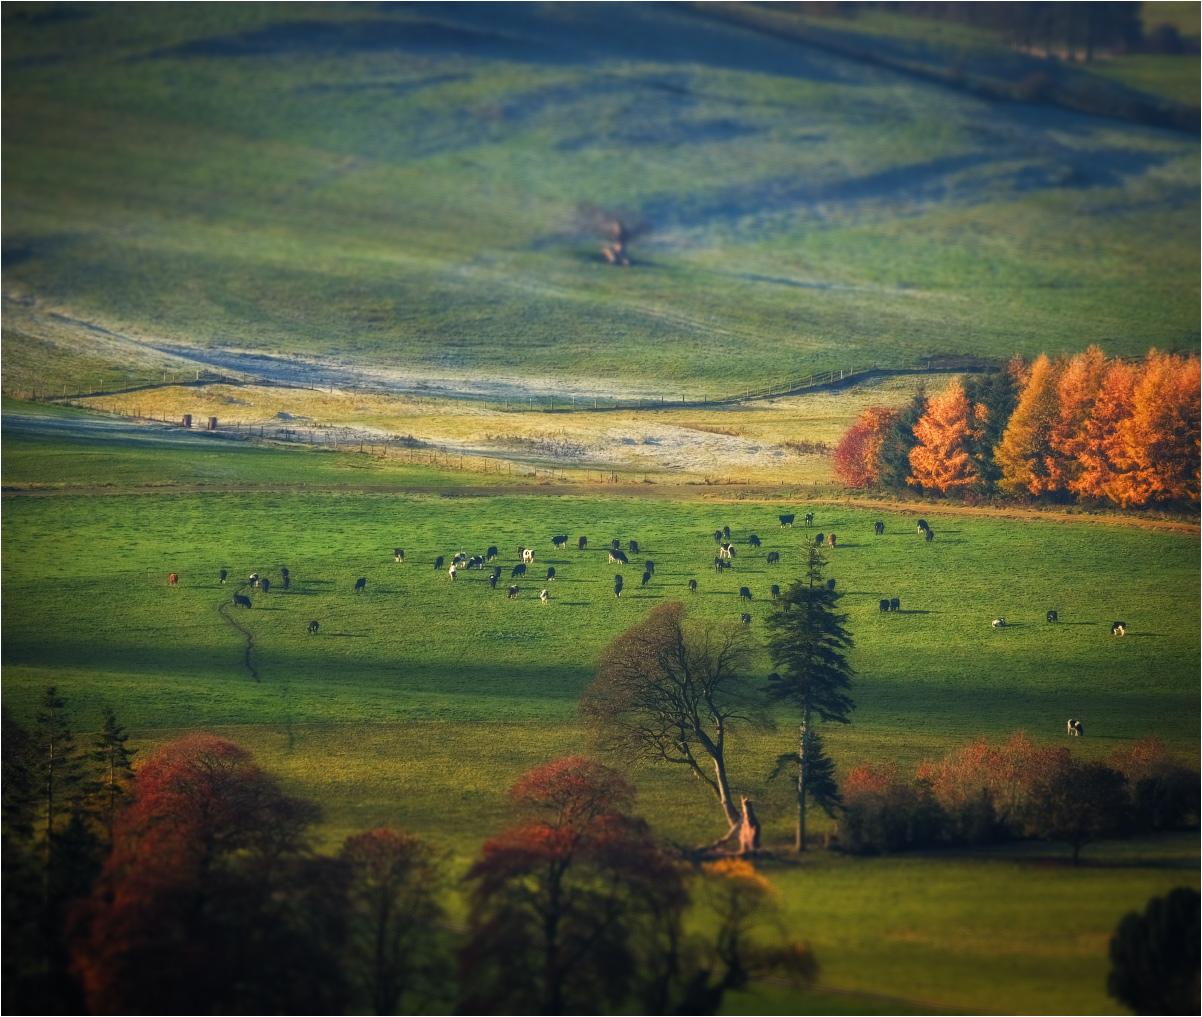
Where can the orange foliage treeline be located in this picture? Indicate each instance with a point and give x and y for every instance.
(1081, 427)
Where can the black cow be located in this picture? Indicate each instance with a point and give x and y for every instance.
(719, 564)
(559, 542)
(398, 553)
(582, 543)
(223, 576)
(618, 589)
(786, 520)
(922, 526)
(513, 592)
(634, 547)
(773, 556)
(616, 556)
(879, 527)
(286, 576)
(616, 545)
(726, 532)
(438, 562)
(809, 519)
(241, 601)
(830, 584)
(753, 541)
(265, 584)
(744, 593)
(692, 586)
(646, 578)
(313, 627)
(930, 535)
(818, 540)
(774, 591)
(746, 619)
(550, 574)
(649, 565)
(1053, 616)
(1118, 629)
(884, 606)
(895, 604)
(360, 584)
(717, 536)
(518, 570)
(496, 571)
(491, 553)
(492, 581)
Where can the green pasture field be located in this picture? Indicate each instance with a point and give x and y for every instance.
(421, 699)
(403, 189)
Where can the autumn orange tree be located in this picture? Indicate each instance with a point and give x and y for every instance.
(857, 457)
(1099, 450)
(941, 460)
(1076, 391)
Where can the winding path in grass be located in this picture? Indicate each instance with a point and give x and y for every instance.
(223, 610)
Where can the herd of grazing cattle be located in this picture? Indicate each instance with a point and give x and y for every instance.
(725, 559)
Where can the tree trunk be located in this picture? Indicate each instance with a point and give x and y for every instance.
(802, 773)
(732, 814)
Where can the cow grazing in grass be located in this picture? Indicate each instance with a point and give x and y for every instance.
(717, 536)
(726, 532)
(922, 526)
(460, 558)
(475, 562)
(744, 593)
(544, 596)
(286, 576)
(774, 591)
(809, 519)
(550, 574)
(439, 562)
(930, 535)
(727, 551)
(361, 584)
(451, 572)
(513, 592)
(491, 553)
(518, 570)
(313, 627)
(745, 619)
(634, 546)
(884, 606)
(830, 584)
(646, 578)
(560, 542)
(879, 527)
(582, 543)
(618, 587)
(265, 584)
(492, 581)
(1118, 629)
(616, 545)
(617, 557)
(692, 586)
(241, 601)
(224, 575)
(999, 623)
(1053, 616)
(820, 540)
(649, 565)
(253, 579)
(496, 571)
(895, 604)
(398, 554)
(173, 579)
(773, 557)
(719, 564)
(786, 520)
(753, 541)
(831, 540)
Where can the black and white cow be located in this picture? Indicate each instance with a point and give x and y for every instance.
(313, 627)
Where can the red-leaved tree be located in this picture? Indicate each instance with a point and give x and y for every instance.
(857, 458)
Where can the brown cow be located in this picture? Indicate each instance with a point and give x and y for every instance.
(173, 579)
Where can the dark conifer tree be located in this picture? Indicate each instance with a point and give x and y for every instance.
(897, 443)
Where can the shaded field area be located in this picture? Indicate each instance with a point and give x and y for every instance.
(185, 188)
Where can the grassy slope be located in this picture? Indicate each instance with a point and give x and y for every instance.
(188, 195)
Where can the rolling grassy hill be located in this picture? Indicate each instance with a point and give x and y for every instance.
(408, 187)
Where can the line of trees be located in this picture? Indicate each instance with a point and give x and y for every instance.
(191, 885)
(991, 793)
(1069, 428)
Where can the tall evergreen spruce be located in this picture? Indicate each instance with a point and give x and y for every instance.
(998, 393)
(898, 443)
(808, 644)
(115, 762)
